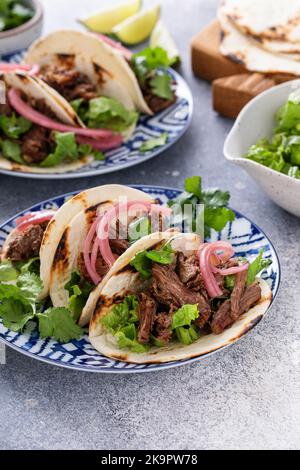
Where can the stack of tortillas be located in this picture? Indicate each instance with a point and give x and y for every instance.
(264, 35)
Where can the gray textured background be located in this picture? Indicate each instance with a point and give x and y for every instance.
(244, 397)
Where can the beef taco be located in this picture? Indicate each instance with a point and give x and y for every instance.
(83, 67)
(40, 131)
(55, 239)
(92, 242)
(171, 297)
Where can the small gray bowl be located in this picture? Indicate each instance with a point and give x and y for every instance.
(257, 120)
(17, 39)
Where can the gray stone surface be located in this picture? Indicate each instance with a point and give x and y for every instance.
(244, 397)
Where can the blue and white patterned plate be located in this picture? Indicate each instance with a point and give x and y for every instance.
(174, 121)
(246, 238)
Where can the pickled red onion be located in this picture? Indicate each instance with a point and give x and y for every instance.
(34, 116)
(116, 45)
(34, 219)
(233, 270)
(102, 145)
(204, 255)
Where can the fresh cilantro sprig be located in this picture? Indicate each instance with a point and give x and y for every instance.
(215, 214)
(19, 303)
(151, 68)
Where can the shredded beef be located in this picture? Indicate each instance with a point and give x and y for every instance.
(70, 83)
(26, 244)
(168, 289)
(37, 144)
(223, 317)
(157, 104)
(251, 296)
(238, 290)
(101, 267)
(146, 311)
(162, 326)
(118, 245)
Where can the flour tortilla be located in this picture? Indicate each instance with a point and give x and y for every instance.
(69, 251)
(81, 203)
(123, 280)
(272, 19)
(243, 49)
(275, 25)
(104, 65)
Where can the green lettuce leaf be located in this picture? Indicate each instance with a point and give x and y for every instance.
(185, 316)
(13, 126)
(8, 272)
(142, 261)
(66, 149)
(12, 151)
(187, 335)
(122, 315)
(126, 339)
(109, 113)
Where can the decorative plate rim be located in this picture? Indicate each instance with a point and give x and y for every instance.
(81, 173)
(135, 367)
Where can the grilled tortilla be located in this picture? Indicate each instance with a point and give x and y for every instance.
(123, 280)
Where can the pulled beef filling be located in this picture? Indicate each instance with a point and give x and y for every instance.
(181, 283)
(155, 103)
(26, 244)
(37, 144)
(70, 83)
(223, 318)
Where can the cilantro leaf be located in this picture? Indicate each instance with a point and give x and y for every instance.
(59, 324)
(30, 286)
(151, 144)
(161, 85)
(217, 217)
(14, 314)
(185, 316)
(193, 185)
(258, 265)
(79, 291)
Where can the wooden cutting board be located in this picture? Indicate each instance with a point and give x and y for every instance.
(233, 86)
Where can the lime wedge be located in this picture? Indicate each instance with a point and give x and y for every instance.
(162, 37)
(138, 27)
(105, 20)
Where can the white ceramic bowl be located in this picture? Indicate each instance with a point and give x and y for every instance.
(17, 39)
(256, 121)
